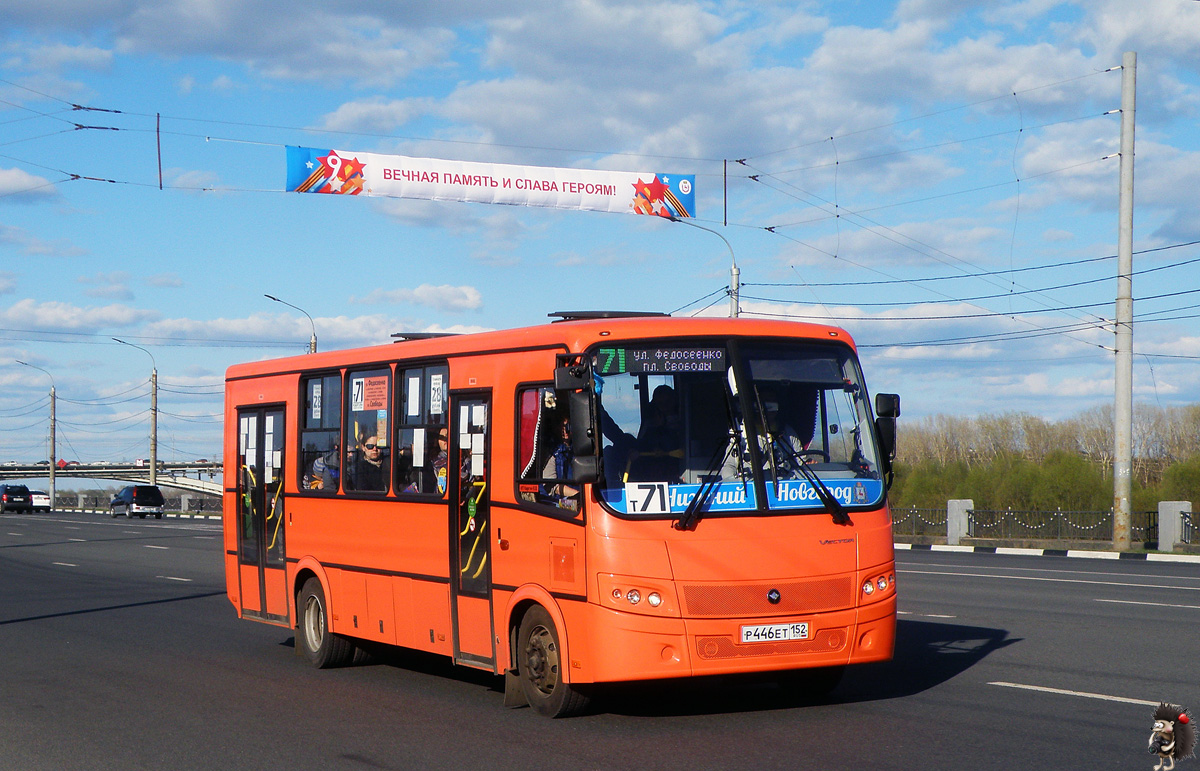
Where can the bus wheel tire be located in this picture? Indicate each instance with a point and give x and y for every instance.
(322, 648)
(539, 658)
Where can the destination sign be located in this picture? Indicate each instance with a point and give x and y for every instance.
(660, 360)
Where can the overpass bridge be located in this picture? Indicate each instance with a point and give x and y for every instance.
(189, 477)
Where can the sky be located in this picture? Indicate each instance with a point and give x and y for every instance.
(938, 177)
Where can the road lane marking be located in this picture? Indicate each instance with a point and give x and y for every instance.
(65, 564)
(999, 568)
(1083, 694)
(175, 578)
(1155, 604)
(77, 540)
(152, 546)
(923, 615)
(1051, 580)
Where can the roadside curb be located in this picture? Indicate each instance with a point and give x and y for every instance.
(165, 515)
(1083, 553)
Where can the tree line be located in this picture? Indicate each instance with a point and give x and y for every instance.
(1024, 462)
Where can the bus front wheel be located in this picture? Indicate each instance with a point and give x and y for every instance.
(539, 656)
(321, 647)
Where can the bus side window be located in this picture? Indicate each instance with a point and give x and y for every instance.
(422, 398)
(366, 465)
(320, 428)
(545, 450)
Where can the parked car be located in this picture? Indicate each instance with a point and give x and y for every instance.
(138, 500)
(39, 500)
(14, 498)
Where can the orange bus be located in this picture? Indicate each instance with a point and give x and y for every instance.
(608, 497)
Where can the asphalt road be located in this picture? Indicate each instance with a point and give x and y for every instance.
(120, 651)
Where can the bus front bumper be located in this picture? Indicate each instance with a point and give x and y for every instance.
(630, 646)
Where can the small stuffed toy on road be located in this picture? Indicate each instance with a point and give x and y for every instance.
(1173, 736)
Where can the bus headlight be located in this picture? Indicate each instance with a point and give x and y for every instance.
(649, 596)
(875, 587)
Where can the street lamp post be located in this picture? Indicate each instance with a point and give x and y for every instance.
(734, 273)
(53, 442)
(153, 410)
(312, 342)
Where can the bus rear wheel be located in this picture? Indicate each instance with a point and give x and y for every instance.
(540, 661)
(322, 648)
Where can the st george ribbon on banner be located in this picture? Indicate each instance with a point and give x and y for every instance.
(341, 172)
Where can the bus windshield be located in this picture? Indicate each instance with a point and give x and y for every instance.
(759, 425)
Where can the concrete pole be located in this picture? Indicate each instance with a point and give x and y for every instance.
(154, 426)
(1123, 407)
(53, 446)
(735, 286)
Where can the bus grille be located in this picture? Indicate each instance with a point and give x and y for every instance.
(825, 641)
(732, 600)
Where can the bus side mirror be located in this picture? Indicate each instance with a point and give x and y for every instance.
(572, 377)
(887, 409)
(574, 383)
(580, 406)
(585, 468)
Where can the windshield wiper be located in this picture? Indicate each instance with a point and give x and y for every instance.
(823, 493)
(762, 421)
(826, 496)
(691, 515)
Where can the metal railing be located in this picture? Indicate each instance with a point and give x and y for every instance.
(1011, 524)
(919, 522)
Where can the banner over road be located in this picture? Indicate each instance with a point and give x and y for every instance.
(341, 172)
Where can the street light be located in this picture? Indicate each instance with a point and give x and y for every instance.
(734, 273)
(53, 443)
(153, 410)
(312, 343)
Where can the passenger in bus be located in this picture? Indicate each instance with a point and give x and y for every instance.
(441, 461)
(366, 470)
(779, 440)
(325, 471)
(558, 466)
(658, 453)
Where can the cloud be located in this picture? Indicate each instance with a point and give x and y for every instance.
(58, 57)
(308, 43)
(8, 282)
(195, 181)
(281, 331)
(454, 299)
(18, 186)
(111, 286)
(377, 115)
(31, 315)
(32, 246)
(164, 280)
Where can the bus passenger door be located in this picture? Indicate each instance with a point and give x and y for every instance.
(470, 524)
(262, 567)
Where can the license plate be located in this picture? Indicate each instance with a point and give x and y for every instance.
(775, 632)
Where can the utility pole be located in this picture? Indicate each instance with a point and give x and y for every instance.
(153, 409)
(153, 424)
(312, 341)
(734, 273)
(53, 442)
(1123, 407)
